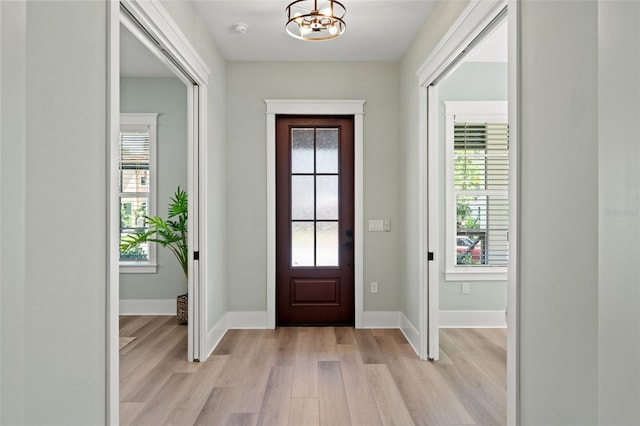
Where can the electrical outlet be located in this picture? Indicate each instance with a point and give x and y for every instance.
(465, 288)
(374, 287)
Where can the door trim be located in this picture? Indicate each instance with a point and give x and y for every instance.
(353, 107)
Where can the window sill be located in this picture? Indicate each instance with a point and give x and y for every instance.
(476, 274)
(138, 268)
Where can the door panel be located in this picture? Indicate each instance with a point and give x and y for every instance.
(314, 221)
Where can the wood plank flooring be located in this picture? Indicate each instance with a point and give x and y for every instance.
(310, 376)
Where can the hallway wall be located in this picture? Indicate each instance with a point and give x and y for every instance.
(248, 85)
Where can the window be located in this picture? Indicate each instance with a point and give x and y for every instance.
(477, 146)
(137, 147)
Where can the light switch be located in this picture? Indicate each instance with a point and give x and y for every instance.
(376, 225)
(387, 225)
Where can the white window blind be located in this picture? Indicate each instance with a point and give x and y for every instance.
(480, 188)
(136, 182)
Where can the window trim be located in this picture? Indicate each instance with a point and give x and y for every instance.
(144, 121)
(473, 111)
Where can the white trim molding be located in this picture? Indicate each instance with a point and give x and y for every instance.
(147, 306)
(215, 335)
(155, 19)
(473, 319)
(411, 333)
(381, 319)
(353, 107)
(247, 320)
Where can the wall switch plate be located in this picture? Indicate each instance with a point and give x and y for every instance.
(374, 287)
(466, 288)
(376, 225)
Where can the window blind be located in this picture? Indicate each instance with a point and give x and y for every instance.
(135, 158)
(480, 184)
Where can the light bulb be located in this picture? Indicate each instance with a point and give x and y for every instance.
(304, 30)
(326, 12)
(333, 30)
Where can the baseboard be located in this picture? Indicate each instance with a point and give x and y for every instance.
(410, 333)
(381, 319)
(247, 319)
(472, 319)
(216, 333)
(147, 306)
(258, 319)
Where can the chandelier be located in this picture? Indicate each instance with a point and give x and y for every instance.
(315, 19)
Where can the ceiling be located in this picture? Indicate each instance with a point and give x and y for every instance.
(377, 30)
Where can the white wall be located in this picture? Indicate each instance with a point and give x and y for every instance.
(249, 84)
(168, 98)
(53, 258)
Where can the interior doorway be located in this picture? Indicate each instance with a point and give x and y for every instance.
(315, 220)
(148, 23)
(440, 254)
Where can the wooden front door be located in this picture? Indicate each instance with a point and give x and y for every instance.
(314, 220)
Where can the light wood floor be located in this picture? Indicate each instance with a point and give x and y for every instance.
(310, 376)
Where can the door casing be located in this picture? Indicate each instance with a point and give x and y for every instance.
(353, 107)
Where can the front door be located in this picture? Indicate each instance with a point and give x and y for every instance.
(314, 220)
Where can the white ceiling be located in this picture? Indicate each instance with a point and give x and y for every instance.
(377, 30)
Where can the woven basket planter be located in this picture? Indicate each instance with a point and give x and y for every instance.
(182, 311)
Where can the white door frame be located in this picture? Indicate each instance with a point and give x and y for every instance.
(192, 70)
(469, 25)
(316, 107)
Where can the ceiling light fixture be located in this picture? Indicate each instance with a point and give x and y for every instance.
(315, 19)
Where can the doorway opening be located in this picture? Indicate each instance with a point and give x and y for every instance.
(467, 213)
(150, 26)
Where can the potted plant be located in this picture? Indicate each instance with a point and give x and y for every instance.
(170, 233)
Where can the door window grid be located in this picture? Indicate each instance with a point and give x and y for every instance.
(314, 181)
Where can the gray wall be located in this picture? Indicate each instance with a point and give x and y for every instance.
(168, 98)
(215, 155)
(53, 213)
(12, 210)
(471, 81)
(559, 191)
(619, 213)
(579, 316)
(248, 85)
(438, 23)
(53, 131)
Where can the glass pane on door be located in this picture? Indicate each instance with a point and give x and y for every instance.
(315, 200)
